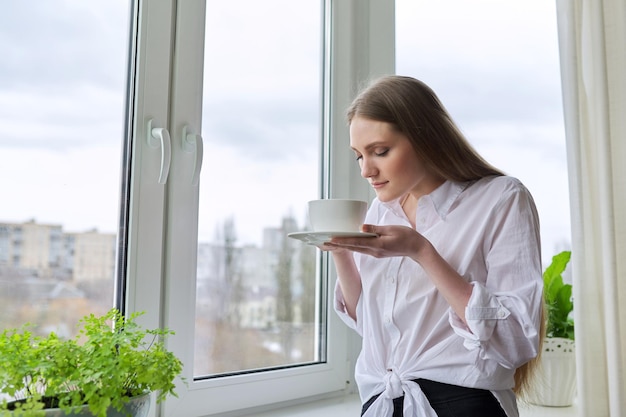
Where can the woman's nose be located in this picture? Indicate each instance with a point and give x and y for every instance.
(367, 168)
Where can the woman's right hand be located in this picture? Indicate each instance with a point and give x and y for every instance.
(333, 249)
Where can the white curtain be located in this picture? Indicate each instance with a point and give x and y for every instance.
(592, 38)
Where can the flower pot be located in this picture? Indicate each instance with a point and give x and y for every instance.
(555, 382)
(137, 407)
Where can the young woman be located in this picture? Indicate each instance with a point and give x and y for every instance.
(448, 297)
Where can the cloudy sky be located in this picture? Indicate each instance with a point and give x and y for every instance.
(61, 111)
(494, 64)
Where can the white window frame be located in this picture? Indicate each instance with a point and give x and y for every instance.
(149, 72)
(149, 88)
(161, 269)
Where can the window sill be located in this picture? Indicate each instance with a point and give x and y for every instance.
(351, 406)
(528, 410)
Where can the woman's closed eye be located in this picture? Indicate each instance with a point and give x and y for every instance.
(376, 152)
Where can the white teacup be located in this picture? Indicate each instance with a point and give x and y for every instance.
(337, 215)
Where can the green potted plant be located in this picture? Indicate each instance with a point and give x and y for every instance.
(109, 369)
(555, 383)
(558, 299)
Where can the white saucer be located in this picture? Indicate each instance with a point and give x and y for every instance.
(317, 238)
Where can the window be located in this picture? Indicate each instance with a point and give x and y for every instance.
(147, 87)
(62, 99)
(201, 216)
(257, 289)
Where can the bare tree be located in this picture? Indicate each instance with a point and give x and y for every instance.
(227, 338)
(309, 283)
(284, 296)
(232, 273)
(226, 261)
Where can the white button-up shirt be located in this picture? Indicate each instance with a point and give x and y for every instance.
(488, 231)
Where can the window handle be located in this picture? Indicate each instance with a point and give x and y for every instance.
(192, 144)
(160, 137)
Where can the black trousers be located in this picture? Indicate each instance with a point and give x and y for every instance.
(450, 401)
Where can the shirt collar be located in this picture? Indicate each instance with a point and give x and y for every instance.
(441, 198)
(445, 195)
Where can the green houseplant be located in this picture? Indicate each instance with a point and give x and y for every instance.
(555, 381)
(111, 362)
(558, 298)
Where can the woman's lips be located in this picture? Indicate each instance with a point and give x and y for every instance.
(377, 185)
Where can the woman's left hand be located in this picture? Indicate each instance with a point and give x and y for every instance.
(391, 241)
(405, 241)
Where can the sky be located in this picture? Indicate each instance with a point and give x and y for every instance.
(494, 65)
(61, 111)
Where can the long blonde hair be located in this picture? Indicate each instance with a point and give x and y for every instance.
(525, 373)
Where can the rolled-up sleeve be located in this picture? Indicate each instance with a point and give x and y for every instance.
(501, 325)
(503, 316)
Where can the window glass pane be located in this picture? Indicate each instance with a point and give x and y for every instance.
(495, 66)
(62, 89)
(256, 288)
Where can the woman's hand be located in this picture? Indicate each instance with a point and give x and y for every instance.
(333, 249)
(405, 241)
(398, 241)
(391, 241)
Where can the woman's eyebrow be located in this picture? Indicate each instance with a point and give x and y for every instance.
(372, 145)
